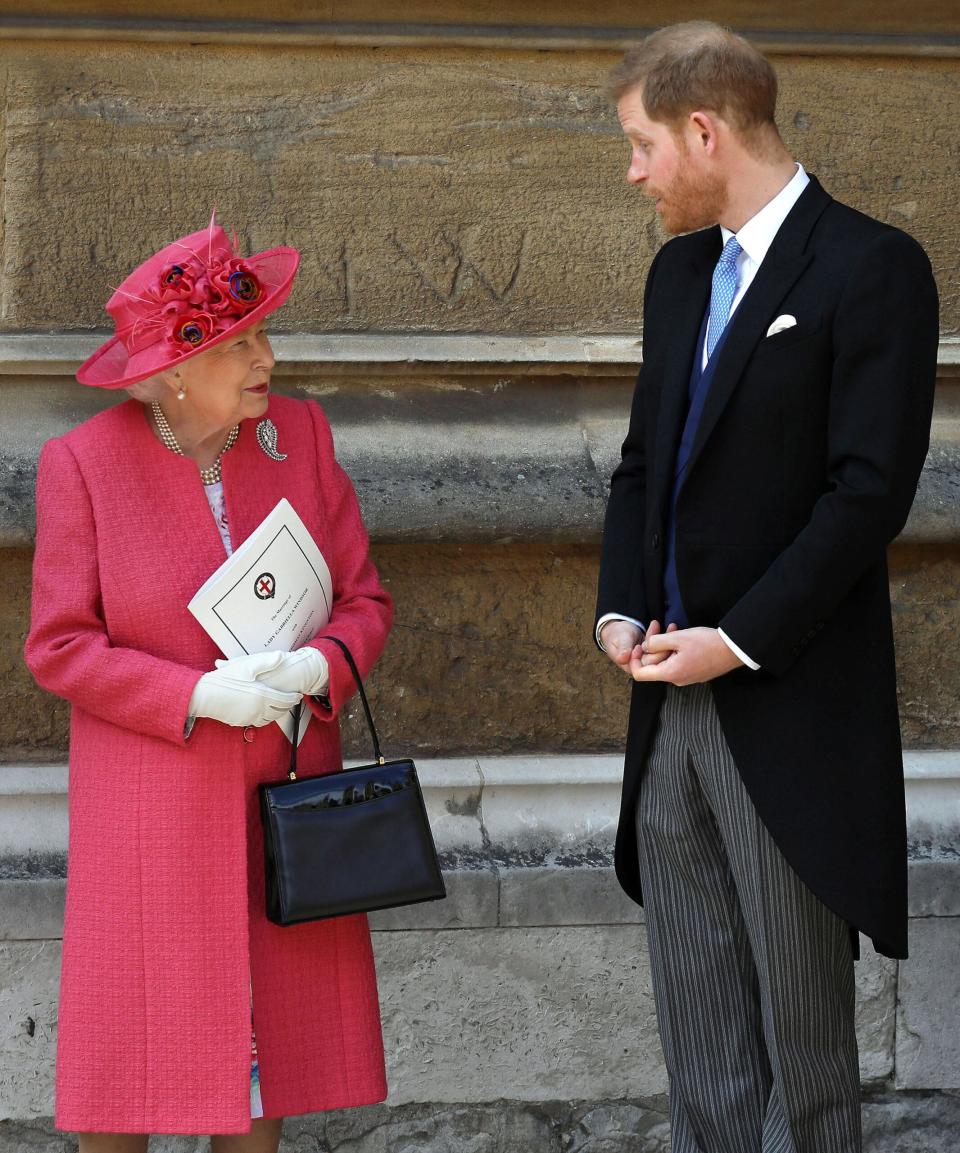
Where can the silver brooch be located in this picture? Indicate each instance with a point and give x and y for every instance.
(267, 439)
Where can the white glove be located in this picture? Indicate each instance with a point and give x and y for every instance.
(238, 700)
(303, 671)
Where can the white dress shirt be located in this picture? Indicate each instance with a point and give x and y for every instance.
(754, 238)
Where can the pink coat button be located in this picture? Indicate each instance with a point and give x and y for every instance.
(248, 734)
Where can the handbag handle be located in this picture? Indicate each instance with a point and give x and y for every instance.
(295, 712)
(377, 755)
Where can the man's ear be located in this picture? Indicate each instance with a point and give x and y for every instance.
(703, 131)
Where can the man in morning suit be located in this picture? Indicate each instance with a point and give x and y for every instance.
(779, 426)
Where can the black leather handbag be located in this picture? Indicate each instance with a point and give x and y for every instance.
(348, 842)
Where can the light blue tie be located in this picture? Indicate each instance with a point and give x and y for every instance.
(722, 292)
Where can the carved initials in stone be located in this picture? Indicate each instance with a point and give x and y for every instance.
(340, 272)
(446, 264)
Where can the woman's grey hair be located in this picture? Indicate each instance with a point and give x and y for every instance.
(149, 390)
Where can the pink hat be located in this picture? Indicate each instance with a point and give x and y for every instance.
(185, 299)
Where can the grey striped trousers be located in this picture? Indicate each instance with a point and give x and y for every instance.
(752, 974)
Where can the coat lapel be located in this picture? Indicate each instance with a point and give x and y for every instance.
(685, 317)
(250, 487)
(783, 265)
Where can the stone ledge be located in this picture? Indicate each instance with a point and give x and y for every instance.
(483, 894)
(800, 39)
(479, 459)
(519, 804)
(524, 842)
(60, 354)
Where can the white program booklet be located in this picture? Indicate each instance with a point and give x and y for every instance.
(274, 593)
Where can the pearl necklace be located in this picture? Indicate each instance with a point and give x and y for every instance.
(209, 475)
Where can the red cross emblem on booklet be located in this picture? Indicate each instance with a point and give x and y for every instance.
(265, 586)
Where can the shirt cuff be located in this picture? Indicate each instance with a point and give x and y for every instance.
(737, 651)
(614, 617)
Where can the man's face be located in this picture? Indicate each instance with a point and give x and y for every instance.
(671, 168)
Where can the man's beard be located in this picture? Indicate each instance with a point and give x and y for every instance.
(692, 201)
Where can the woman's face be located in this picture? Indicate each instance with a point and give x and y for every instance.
(228, 383)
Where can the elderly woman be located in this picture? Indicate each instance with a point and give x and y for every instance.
(166, 944)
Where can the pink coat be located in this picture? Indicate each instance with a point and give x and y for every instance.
(165, 925)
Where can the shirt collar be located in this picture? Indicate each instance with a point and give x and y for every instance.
(756, 236)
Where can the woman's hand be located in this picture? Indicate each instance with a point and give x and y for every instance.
(303, 671)
(239, 701)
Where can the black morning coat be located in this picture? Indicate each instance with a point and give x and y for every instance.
(803, 469)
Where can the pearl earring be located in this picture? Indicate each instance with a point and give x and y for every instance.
(182, 393)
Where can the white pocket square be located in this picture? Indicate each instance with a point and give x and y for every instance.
(782, 322)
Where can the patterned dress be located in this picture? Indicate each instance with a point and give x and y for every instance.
(218, 506)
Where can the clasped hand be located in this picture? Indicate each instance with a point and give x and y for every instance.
(677, 656)
(255, 690)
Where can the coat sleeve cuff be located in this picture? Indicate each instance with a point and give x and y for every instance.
(737, 651)
(340, 683)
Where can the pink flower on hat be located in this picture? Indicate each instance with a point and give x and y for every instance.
(188, 328)
(197, 308)
(177, 282)
(234, 287)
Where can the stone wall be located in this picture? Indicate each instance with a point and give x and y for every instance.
(468, 313)
(520, 1008)
(431, 190)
